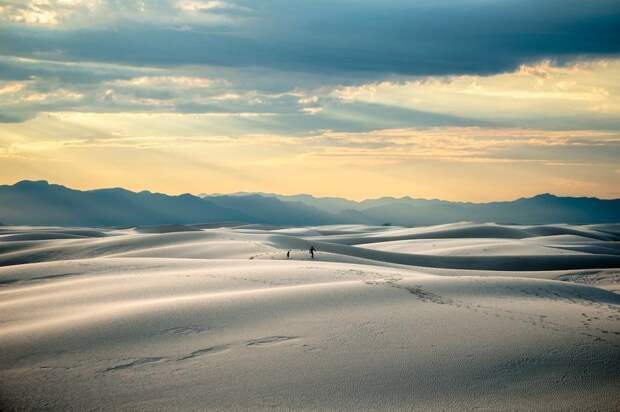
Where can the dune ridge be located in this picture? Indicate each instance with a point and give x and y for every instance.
(453, 317)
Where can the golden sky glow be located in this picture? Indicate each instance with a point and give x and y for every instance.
(94, 118)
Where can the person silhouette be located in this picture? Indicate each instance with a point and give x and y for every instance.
(288, 254)
(312, 250)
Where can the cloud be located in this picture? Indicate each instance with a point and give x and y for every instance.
(579, 94)
(375, 38)
(43, 12)
(469, 144)
(119, 89)
(166, 81)
(209, 6)
(79, 14)
(453, 162)
(12, 87)
(463, 144)
(583, 95)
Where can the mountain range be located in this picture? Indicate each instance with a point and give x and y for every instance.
(42, 203)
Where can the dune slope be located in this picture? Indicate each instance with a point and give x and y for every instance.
(218, 318)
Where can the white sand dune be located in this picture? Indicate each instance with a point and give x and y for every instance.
(452, 317)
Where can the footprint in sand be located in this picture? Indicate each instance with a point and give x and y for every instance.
(184, 330)
(269, 340)
(206, 351)
(133, 364)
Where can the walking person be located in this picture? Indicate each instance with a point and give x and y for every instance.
(312, 250)
(288, 255)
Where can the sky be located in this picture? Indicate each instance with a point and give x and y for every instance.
(473, 100)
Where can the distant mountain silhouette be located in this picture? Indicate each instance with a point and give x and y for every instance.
(41, 203)
(541, 209)
(271, 210)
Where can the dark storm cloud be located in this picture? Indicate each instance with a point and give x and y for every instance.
(413, 38)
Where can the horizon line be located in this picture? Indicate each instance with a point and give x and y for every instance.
(273, 194)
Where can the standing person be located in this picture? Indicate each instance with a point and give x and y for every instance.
(312, 250)
(288, 254)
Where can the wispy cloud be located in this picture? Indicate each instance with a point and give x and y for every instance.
(86, 14)
(44, 12)
(585, 89)
(580, 95)
(210, 5)
(467, 144)
(11, 87)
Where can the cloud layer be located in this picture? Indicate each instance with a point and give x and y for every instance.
(385, 91)
(414, 38)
